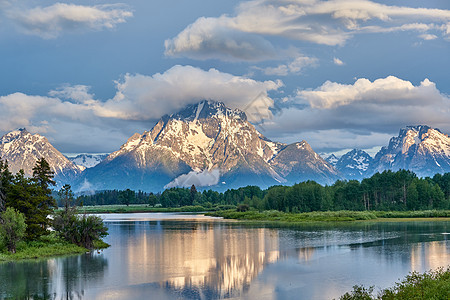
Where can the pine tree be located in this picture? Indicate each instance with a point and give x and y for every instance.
(32, 197)
(193, 192)
(42, 197)
(66, 197)
(5, 182)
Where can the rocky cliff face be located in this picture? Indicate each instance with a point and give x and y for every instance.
(211, 143)
(298, 162)
(421, 149)
(22, 149)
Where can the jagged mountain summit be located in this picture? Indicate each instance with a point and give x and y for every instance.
(332, 159)
(22, 149)
(84, 160)
(206, 144)
(421, 149)
(354, 164)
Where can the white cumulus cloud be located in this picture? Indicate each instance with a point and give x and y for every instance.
(234, 37)
(390, 90)
(51, 21)
(142, 97)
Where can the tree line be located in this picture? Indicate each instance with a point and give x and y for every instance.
(401, 190)
(111, 197)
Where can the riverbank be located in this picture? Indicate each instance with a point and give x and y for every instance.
(46, 246)
(428, 285)
(327, 216)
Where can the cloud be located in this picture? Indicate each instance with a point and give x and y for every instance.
(338, 62)
(141, 97)
(77, 93)
(428, 37)
(226, 43)
(321, 22)
(51, 21)
(335, 114)
(73, 118)
(296, 66)
(200, 178)
(390, 90)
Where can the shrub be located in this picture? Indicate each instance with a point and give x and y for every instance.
(82, 230)
(359, 293)
(429, 285)
(242, 207)
(12, 228)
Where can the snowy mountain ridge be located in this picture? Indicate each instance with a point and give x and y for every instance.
(22, 149)
(209, 137)
(85, 160)
(208, 144)
(354, 164)
(421, 149)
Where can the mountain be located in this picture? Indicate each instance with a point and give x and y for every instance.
(84, 161)
(354, 164)
(206, 144)
(421, 149)
(22, 149)
(298, 162)
(332, 160)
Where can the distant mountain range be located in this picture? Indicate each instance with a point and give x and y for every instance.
(213, 146)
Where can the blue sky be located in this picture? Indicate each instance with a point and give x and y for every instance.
(339, 74)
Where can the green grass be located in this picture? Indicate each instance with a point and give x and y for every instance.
(46, 246)
(413, 214)
(429, 285)
(328, 216)
(273, 215)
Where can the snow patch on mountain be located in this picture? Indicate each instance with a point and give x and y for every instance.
(85, 160)
(332, 159)
(354, 164)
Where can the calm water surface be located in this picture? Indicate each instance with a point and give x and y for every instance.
(173, 256)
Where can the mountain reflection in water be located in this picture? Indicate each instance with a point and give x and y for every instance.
(162, 257)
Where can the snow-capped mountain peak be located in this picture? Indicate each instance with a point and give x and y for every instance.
(332, 159)
(208, 136)
(207, 109)
(22, 149)
(421, 149)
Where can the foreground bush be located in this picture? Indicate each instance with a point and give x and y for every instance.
(84, 230)
(12, 228)
(429, 285)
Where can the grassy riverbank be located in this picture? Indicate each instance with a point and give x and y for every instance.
(45, 246)
(327, 216)
(429, 285)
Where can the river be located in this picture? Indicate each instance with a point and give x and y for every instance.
(181, 256)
